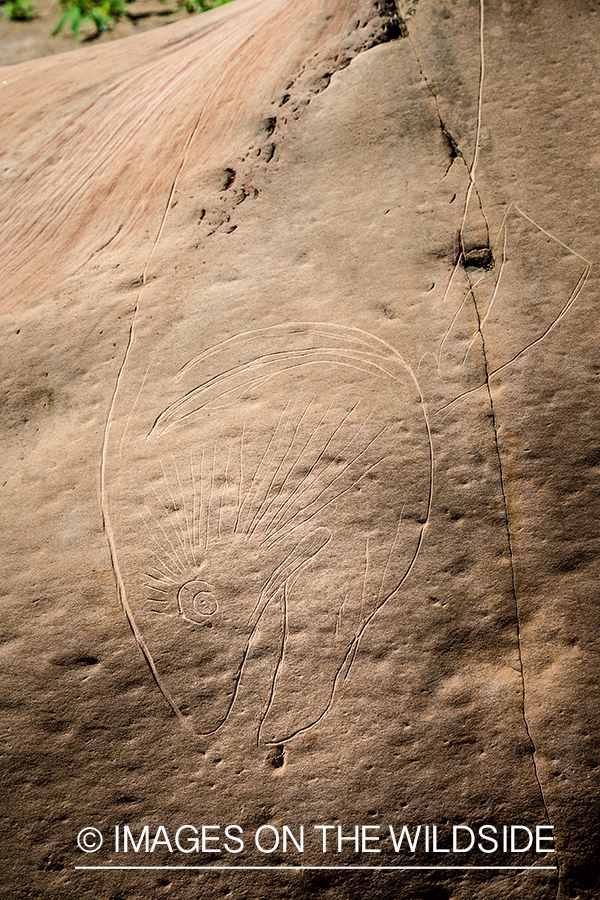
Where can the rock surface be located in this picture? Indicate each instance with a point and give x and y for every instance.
(299, 448)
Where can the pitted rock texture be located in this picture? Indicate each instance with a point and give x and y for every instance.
(300, 453)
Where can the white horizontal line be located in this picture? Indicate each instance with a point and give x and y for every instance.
(312, 868)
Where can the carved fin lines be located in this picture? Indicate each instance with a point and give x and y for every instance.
(280, 489)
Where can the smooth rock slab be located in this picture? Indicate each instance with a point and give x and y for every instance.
(306, 363)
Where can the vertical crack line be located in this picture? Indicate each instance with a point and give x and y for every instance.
(471, 169)
(452, 143)
(475, 160)
(456, 152)
(104, 504)
(513, 583)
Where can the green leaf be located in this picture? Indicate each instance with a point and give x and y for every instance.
(19, 10)
(75, 17)
(61, 22)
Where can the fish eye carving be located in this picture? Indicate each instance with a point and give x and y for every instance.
(196, 601)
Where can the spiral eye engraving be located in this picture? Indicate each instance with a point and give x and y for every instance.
(196, 601)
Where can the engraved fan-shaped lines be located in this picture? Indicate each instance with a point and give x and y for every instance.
(170, 531)
(292, 491)
(306, 352)
(309, 461)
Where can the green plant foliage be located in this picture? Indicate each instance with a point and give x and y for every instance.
(196, 6)
(19, 10)
(102, 14)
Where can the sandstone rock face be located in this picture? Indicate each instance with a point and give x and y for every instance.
(300, 454)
